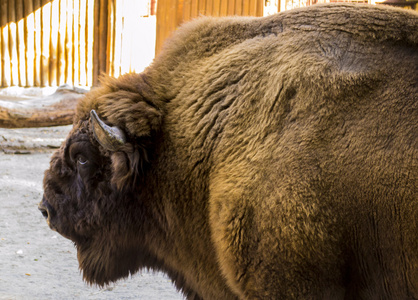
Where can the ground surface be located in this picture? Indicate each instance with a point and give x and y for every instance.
(35, 262)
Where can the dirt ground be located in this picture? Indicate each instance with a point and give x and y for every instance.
(36, 262)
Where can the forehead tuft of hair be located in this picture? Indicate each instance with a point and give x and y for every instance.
(127, 102)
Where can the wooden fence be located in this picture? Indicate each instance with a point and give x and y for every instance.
(171, 13)
(53, 42)
(46, 43)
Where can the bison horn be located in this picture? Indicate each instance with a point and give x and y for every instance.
(111, 138)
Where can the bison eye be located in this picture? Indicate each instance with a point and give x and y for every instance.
(81, 160)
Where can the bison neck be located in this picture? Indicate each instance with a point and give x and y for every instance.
(177, 195)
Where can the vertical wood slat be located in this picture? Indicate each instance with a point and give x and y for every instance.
(231, 8)
(216, 8)
(76, 42)
(45, 38)
(21, 42)
(53, 45)
(194, 9)
(62, 32)
(187, 10)
(1, 43)
(118, 42)
(103, 37)
(69, 43)
(202, 8)
(111, 37)
(37, 44)
(238, 7)
(100, 39)
(82, 78)
(29, 23)
(223, 11)
(13, 42)
(167, 19)
(89, 42)
(5, 57)
(209, 7)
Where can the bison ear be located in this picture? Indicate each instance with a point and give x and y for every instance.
(126, 168)
(111, 138)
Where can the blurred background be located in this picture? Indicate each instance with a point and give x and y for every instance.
(54, 42)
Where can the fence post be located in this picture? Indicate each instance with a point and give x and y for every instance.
(100, 39)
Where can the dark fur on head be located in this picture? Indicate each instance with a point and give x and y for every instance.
(108, 179)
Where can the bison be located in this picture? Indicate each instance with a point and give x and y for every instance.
(255, 158)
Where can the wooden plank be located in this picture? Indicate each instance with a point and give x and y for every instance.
(45, 38)
(216, 8)
(53, 42)
(173, 21)
(29, 23)
(167, 20)
(111, 36)
(231, 8)
(96, 43)
(253, 8)
(201, 8)
(246, 8)
(69, 74)
(224, 8)
(82, 43)
(194, 9)
(187, 10)
(209, 8)
(1, 62)
(13, 43)
(76, 42)
(103, 36)
(37, 39)
(238, 7)
(100, 39)
(179, 12)
(5, 58)
(21, 42)
(117, 67)
(153, 9)
(160, 24)
(90, 42)
(260, 8)
(61, 53)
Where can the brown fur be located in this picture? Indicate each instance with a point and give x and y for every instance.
(266, 158)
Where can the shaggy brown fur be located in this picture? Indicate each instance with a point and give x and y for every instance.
(266, 158)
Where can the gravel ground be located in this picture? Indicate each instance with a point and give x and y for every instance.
(36, 262)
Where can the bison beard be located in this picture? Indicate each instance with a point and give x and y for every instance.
(255, 158)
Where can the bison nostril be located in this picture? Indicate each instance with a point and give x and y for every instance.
(43, 210)
(43, 207)
(44, 213)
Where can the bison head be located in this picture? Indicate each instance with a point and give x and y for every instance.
(92, 191)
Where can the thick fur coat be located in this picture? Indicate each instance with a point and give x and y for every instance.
(265, 158)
